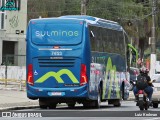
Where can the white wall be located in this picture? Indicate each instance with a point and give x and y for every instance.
(13, 72)
(157, 66)
(17, 20)
(1, 44)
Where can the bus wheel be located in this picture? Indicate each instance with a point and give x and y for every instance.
(71, 105)
(117, 103)
(52, 105)
(88, 104)
(43, 104)
(98, 101)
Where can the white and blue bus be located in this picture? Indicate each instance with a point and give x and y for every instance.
(76, 59)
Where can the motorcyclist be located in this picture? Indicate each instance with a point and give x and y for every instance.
(149, 90)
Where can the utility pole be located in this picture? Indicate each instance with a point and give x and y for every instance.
(84, 6)
(153, 40)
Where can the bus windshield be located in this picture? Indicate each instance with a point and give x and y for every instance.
(57, 34)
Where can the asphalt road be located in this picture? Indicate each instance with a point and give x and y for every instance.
(125, 106)
(128, 111)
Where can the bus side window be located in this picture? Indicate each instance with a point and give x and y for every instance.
(128, 55)
(97, 39)
(116, 40)
(123, 44)
(111, 37)
(100, 38)
(103, 36)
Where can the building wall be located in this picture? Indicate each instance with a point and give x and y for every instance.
(15, 21)
(13, 73)
(0, 50)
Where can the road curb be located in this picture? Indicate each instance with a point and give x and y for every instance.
(23, 107)
(19, 108)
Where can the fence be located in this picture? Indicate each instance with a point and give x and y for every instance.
(13, 72)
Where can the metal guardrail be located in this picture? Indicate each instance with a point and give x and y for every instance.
(13, 83)
(6, 80)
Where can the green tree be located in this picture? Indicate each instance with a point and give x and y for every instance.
(138, 13)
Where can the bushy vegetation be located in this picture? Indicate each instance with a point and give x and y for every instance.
(134, 15)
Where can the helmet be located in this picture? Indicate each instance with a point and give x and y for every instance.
(144, 70)
(141, 70)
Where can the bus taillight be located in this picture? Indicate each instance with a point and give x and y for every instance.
(30, 74)
(83, 77)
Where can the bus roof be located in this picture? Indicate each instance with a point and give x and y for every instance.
(95, 21)
(90, 20)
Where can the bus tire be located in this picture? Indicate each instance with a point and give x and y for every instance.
(98, 101)
(71, 105)
(123, 93)
(52, 105)
(117, 103)
(88, 104)
(43, 104)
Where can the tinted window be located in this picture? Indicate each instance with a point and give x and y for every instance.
(107, 40)
(96, 41)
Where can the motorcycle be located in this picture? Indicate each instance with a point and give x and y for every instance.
(142, 100)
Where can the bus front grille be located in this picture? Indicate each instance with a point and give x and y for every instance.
(50, 62)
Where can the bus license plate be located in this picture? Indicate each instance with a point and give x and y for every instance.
(56, 93)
